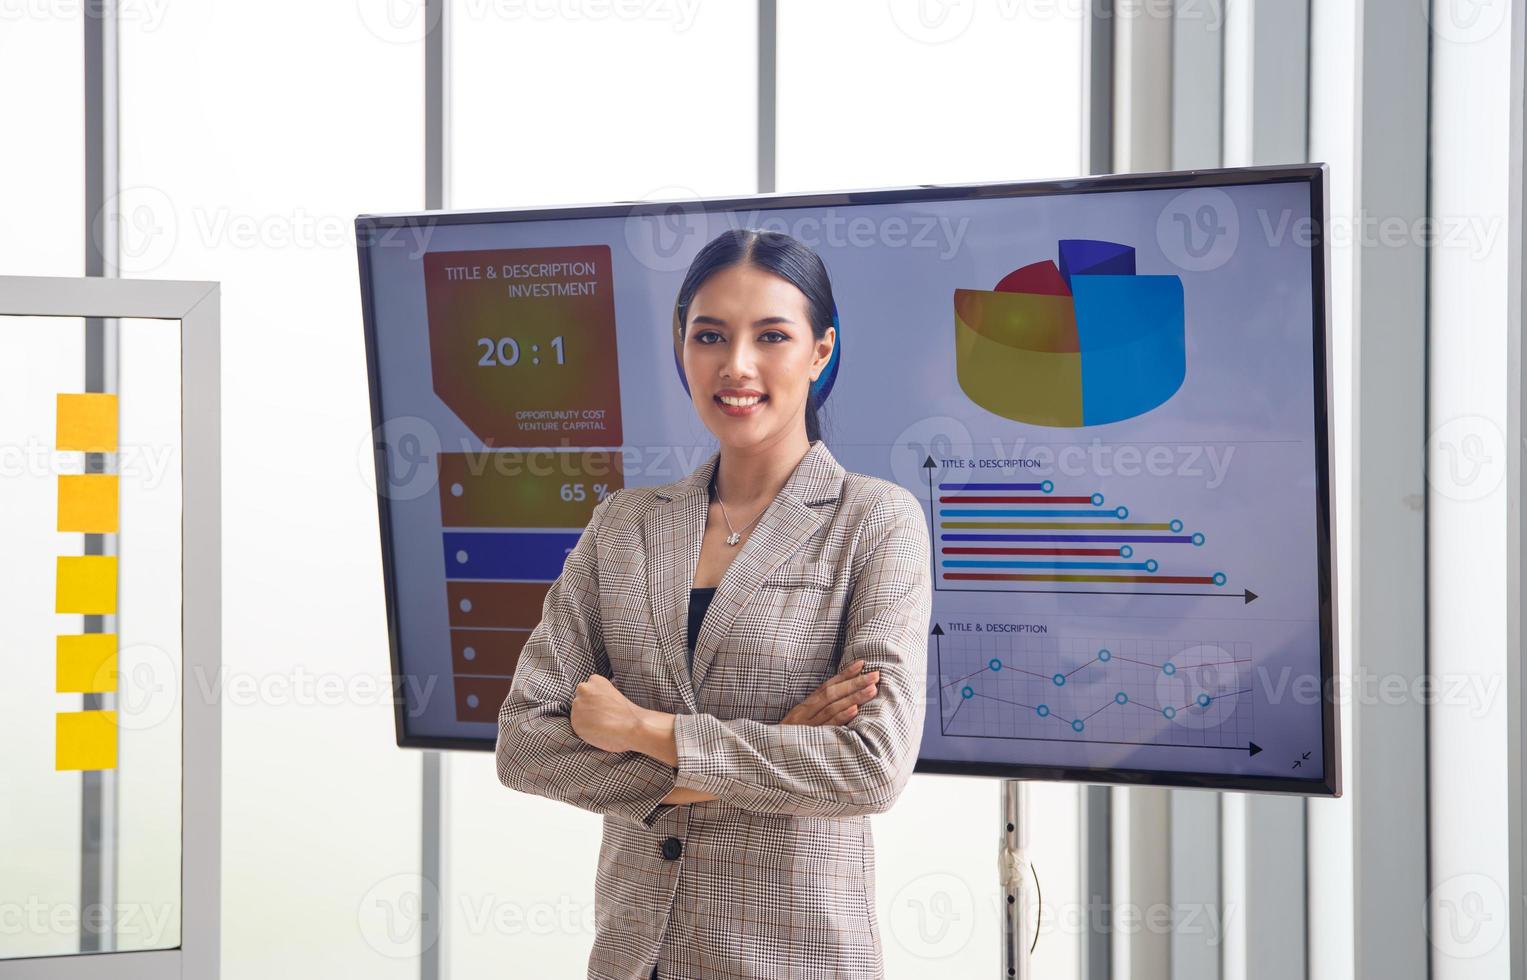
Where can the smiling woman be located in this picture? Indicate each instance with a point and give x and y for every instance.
(735, 772)
(790, 335)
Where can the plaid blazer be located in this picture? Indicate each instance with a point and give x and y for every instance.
(775, 877)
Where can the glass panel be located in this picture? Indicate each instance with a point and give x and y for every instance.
(681, 121)
(575, 103)
(41, 189)
(923, 93)
(913, 93)
(253, 176)
(149, 803)
(90, 709)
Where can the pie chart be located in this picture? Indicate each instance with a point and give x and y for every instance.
(1085, 342)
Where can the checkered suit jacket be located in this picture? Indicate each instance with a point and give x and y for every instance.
(775, 877)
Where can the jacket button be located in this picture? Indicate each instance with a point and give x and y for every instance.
(672, 848)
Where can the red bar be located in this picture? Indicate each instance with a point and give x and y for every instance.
(516, 605)
(485, 653)
(479, 698)
(1146, 579)
(951, 499)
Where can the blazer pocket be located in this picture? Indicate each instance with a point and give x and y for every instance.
(819, 575)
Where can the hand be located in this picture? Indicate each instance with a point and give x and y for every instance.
(603, 717)
(837, 700)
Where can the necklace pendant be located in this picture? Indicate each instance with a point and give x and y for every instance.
(733, 538)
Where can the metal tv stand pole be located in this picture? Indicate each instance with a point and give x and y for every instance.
(1018, 930)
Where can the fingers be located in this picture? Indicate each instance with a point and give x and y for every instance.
(836, 702)
(855, 696)
(592, 683)
(825, 693)
(849, 669)
(817, 700)
(837, 690)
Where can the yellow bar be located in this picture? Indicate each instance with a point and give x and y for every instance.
(87, 423)
(88, 502)
(86, 663)
(86, 584)
(85, 740)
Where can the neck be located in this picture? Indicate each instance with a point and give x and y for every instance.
(750, 478)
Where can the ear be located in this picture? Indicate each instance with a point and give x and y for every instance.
(824, 350)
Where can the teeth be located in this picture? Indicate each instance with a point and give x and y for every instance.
(740, 402)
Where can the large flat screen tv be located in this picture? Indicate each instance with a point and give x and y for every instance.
(1112, 395)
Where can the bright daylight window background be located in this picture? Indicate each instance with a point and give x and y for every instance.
(248, 170)
(39, 193)
(681, 123)
(44, 234)
(251, 136)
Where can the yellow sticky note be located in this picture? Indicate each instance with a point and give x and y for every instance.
(88, 502)
(86, 584)
(86, 663)
(85, 740)
(87, 422)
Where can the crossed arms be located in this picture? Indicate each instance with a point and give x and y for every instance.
(831, 770)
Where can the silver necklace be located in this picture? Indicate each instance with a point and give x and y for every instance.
(736, 535)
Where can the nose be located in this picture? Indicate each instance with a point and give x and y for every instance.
(739, 360)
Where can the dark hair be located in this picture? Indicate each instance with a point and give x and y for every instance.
(786, 257)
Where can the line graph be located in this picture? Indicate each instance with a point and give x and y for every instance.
(1120, 690)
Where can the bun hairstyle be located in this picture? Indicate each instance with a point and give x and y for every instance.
(784, 256)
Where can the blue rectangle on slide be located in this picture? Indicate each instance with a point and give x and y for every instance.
(530, 555)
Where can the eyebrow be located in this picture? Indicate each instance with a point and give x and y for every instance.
(718, 322)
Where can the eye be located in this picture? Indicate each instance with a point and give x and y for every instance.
(703, 336)
(776, 333)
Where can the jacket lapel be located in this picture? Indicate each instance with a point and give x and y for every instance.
(675, 529)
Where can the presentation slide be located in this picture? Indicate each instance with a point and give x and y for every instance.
(1110, 395)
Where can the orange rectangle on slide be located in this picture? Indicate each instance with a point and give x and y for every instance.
(86, 584)
(87, 502)
(479, 698)
(538, 488)
(522, 343)
(516, 605)
(487, 652)
(85, 740)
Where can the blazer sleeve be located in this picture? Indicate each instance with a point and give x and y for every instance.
(537, 750)
(838, 770)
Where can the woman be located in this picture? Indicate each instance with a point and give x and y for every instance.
(735, 776)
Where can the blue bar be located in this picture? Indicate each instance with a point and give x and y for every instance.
(535, 556)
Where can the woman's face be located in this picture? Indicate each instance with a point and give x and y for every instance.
(749, 343)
